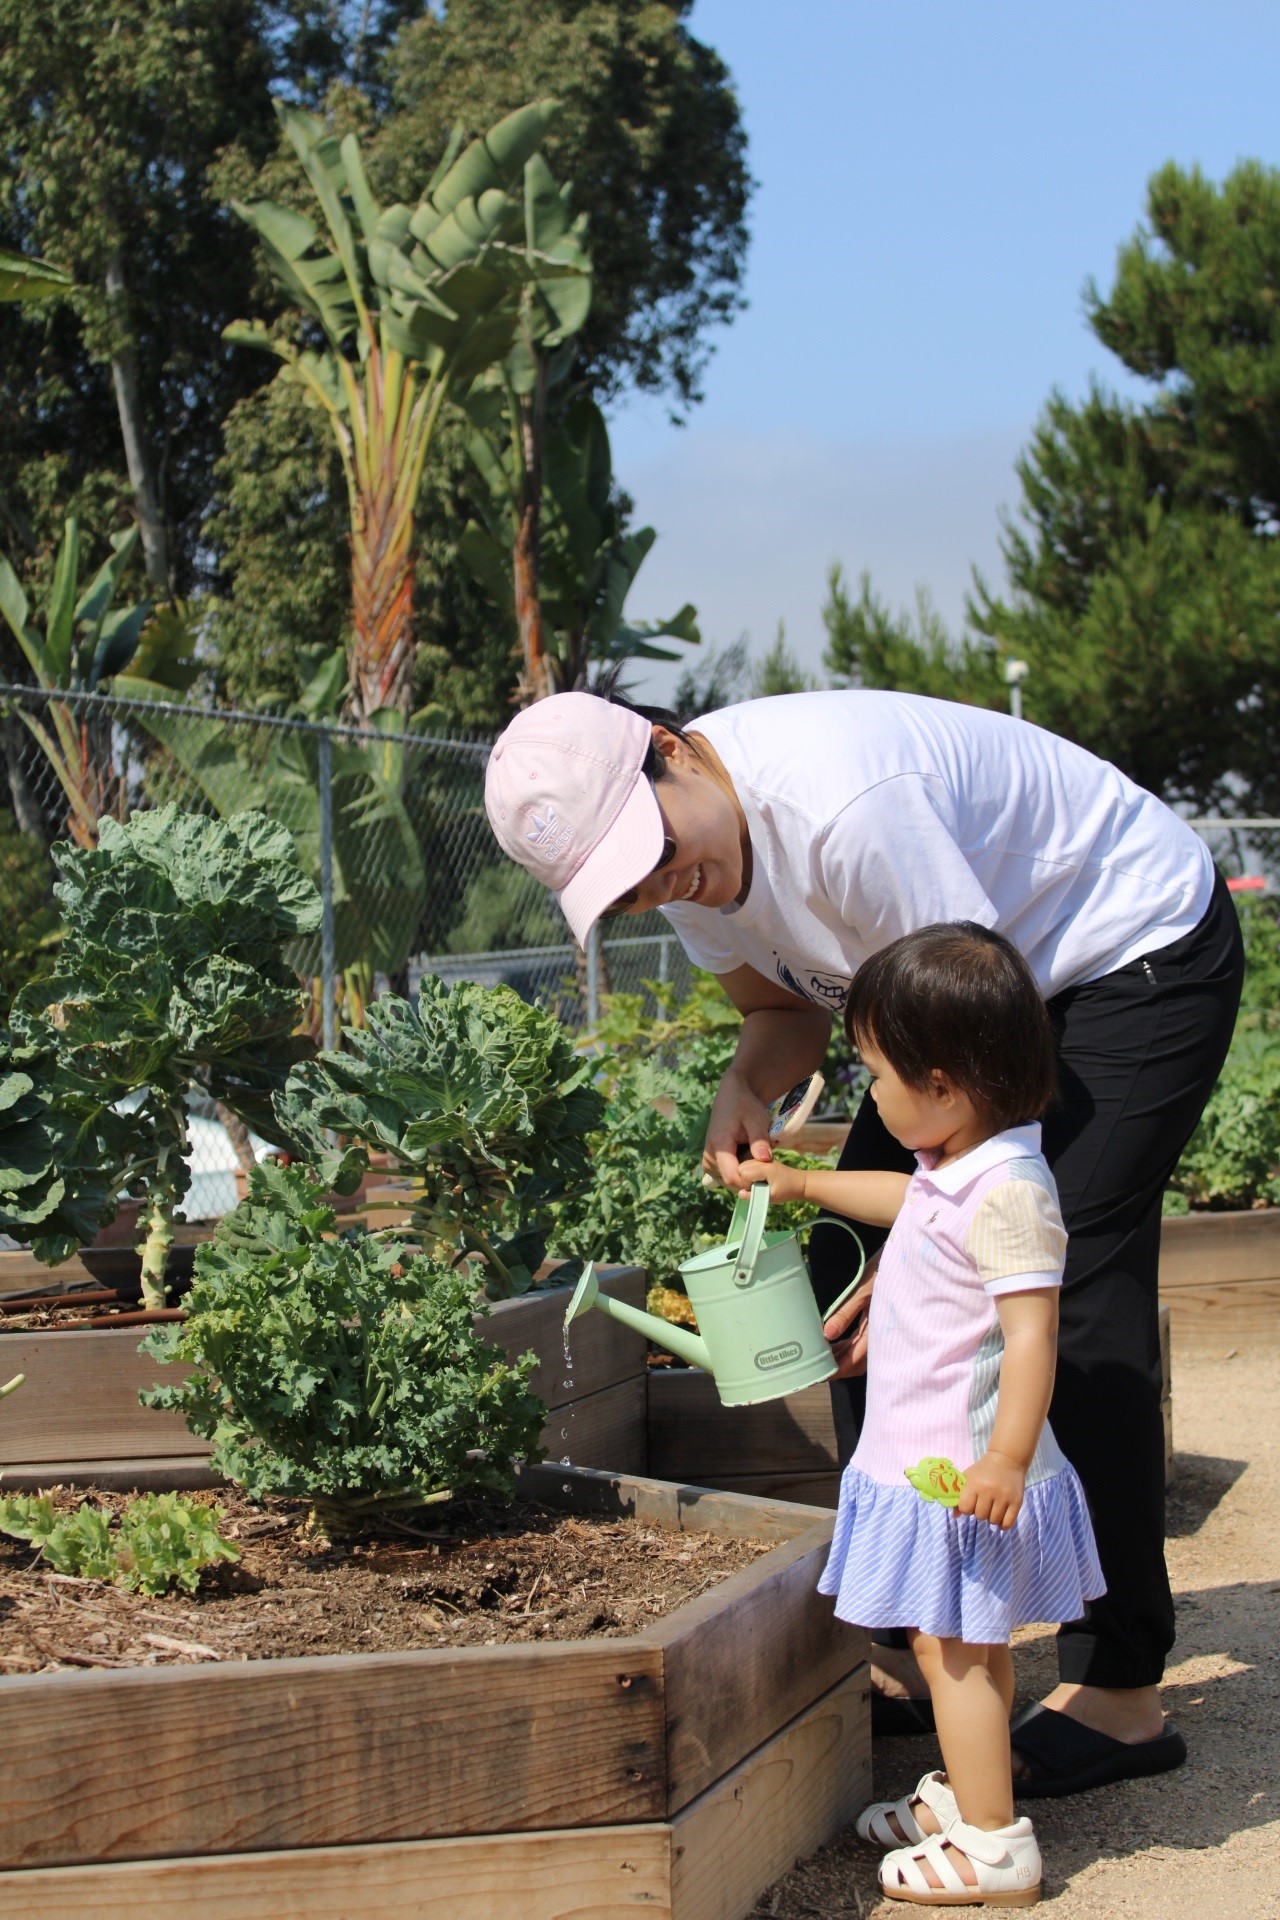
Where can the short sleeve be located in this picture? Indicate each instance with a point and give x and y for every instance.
(1016, 1238)
(704, 936)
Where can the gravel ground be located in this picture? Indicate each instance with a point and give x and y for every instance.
(1202, 1843)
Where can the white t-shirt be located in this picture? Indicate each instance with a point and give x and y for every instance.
(872, 814)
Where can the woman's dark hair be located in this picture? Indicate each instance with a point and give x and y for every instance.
(655, 767)
(960, 1000)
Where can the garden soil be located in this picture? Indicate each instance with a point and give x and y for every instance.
(1202, 1843)
(482, 1576)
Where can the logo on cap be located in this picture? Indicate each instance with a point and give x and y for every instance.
(548, 835)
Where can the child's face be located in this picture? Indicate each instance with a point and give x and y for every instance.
(919, 1118)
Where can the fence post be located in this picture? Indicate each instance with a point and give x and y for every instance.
(664, 941)
(328, 967)
(593, 978)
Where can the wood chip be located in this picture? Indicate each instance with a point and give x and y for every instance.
(193, 1648)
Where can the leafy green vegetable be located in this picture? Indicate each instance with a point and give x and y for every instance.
(173, 973)
(61, 1153)
(1233, 1157)
(476, 1095)
(161, 1541)
(347, 1371)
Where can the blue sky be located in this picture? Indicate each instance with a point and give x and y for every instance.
(936, 183)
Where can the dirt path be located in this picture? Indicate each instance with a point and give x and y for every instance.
(1202, 1843)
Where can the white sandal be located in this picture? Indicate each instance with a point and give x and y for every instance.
(1006, 1862)
(933, 1791)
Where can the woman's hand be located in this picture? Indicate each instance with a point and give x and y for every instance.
(846, 1329)
(785, 1183)
(739, 1118)
(994, 1489)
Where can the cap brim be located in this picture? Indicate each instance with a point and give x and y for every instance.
(625, 856)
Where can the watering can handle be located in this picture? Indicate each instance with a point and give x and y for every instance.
(834, 1220)
(749, 1213)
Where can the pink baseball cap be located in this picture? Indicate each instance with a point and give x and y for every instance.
(567, 798)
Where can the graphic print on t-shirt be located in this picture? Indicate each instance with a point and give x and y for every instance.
(825, 989)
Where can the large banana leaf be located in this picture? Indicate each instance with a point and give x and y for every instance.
(24, 278)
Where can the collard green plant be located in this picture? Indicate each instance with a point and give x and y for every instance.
(345, 1371)
(476, 1095)
(172, 975)
(162, 1540)
(1233, 1157)
(62, 1153)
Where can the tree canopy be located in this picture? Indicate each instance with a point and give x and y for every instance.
(1143, 569)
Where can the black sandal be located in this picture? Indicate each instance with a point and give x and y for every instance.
(1066, 1757)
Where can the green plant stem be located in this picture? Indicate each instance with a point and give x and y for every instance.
(155, 1251)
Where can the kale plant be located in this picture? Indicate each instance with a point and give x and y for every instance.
(162, 1540)
(172, 974)
(345, 1371)
(479, 1098)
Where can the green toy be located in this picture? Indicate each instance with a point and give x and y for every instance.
(937, 1478)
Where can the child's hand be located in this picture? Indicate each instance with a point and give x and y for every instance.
(785, 1183)
(994, 1488)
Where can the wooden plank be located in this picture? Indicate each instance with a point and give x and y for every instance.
(663, 1504)
(821, 1490)
(820, 1138)
(694, 1436)
(605, 1429)
(80, 1400)
(604, 1352)
(1198, 1249)
(780, 1805)
(21, 1272)
(1165, 1322)
(1240, 1313)
(605, 1873)
(327, 1751)
(710, 1863)
(747, 1657)
(182, 1473)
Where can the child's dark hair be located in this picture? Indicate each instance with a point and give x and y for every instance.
(960, 1000)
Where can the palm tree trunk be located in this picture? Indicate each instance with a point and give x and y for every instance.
(124, 374)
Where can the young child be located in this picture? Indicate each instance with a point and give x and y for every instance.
(961, 1350)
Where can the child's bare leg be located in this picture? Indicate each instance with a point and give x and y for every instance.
(971, 1693)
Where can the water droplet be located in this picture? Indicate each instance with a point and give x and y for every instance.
(564, 1433)
(565, 1460)
(566, 1488)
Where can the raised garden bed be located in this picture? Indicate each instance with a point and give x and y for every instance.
(678, 1770)
(77, 1416)
(1220, 1276)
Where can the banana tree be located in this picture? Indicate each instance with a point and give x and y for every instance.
(86, 641)
(408, 301)
(25, 278)
(586, 562)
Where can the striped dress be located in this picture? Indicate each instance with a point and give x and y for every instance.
(986, 1224)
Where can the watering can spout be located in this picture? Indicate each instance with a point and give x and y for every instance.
(678, 1340)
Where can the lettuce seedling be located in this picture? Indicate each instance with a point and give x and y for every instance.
(173, 973)
(345, 1371)
(480, 1098)
(161, 1540)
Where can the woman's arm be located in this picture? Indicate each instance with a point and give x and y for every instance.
(783, 1039)
(858, 1195)
(995, 1485)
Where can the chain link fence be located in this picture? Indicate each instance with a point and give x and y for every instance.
(389, 824)
(391, 827)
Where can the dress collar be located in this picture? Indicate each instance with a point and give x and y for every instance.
(1015, 1143)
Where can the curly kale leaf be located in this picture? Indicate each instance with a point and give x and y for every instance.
(477, 1096)
(62, 1154)
(347, 1371)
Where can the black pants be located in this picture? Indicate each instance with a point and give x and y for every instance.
(1139, 1051)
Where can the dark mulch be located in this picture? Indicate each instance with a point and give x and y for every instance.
(472, 1576)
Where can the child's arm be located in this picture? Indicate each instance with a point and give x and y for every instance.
(875, 1198)
(995, 1485)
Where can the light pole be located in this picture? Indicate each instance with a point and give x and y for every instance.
(1015, 672)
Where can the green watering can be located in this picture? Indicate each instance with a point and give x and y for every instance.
(761, 1329)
